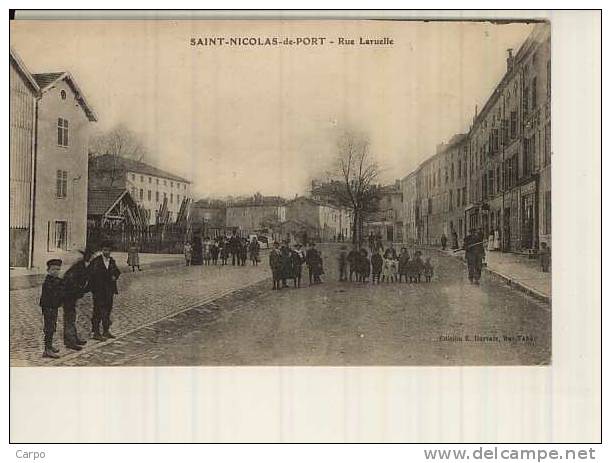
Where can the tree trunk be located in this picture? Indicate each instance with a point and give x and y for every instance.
(355, 227)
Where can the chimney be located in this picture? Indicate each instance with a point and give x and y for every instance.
(509, 59)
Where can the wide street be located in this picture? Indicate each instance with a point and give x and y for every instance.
(445, 322)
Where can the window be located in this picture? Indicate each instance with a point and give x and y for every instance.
(157, 196)
(533, 103)
(149, 195)
(164, 183)
(62, 132)
(142, 178)
(459, 169)
(157, 181)
(178, 199)
(150, 179)
(491, 182)
(133, 192)
(548, 147)
(525, 99)
(184, 187)
(134, 177)
(452, 172)
(62, 94)
(451, 200)
(61, 186)
(171, 184)
(141, 193)
(464, 196)
(498, 179)
(171, 197)
(165, 196)
(513, 124)
(60, 236)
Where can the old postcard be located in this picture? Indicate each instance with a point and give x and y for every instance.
(323, 193)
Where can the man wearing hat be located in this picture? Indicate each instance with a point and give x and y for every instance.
(76, 285)
(51, 298)
(103, 276)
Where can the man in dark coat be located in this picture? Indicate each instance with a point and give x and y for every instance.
(444, 241)
(103, 275)
(286, 264)
(76, 283)
(274, 264)
(353, 260)
(297, 258)
(234, 249)
(474, 255)
(51, 298)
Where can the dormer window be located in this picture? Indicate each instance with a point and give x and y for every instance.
(62, 94)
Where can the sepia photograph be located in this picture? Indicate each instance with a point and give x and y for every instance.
(297, 193)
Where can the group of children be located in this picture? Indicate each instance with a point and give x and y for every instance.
(387, 268)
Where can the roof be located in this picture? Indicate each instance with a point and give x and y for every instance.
(111, 161)
(100, 201)
(47, 81)
(317, 202)
(260, 201)
(23, 70)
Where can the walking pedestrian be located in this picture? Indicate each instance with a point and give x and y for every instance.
(253, 250)
(103, 276)
(417, 267)
(76, 285)
(342, 260)
(297, 259)
(286, 266)
(51, 298)
(403, 264)
(444, 241)
(353, 259)
(187, 250)
(133, 258)
(454, 240)
(364, 266)
(315, 264)
(545, 257)
(474, 254)
(274, 264)
(428, 270)
(376, 266)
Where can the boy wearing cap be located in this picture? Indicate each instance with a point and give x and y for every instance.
(51, 298)
(103, 275)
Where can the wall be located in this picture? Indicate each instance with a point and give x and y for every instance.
(20, 174)
(249, 218)
(50, 158)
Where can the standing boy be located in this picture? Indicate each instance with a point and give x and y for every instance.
(51, 298)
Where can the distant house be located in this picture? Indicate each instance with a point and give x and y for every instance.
(327, 221)
(387, 220)
(209, 217)
(256, 213)
(148, 186)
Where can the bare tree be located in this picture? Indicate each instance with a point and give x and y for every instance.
(352, 182)
(119, 141)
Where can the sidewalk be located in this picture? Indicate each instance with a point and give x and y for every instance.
(21, 278)
(517, 271)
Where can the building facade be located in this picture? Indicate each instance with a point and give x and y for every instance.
(62, 140)
(496, 178)
(24, 93)
(149, 186)
(387, 220)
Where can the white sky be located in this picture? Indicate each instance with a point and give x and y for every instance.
(246, 119)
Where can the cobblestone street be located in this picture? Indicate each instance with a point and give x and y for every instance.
(144, 297)
(445, 322)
